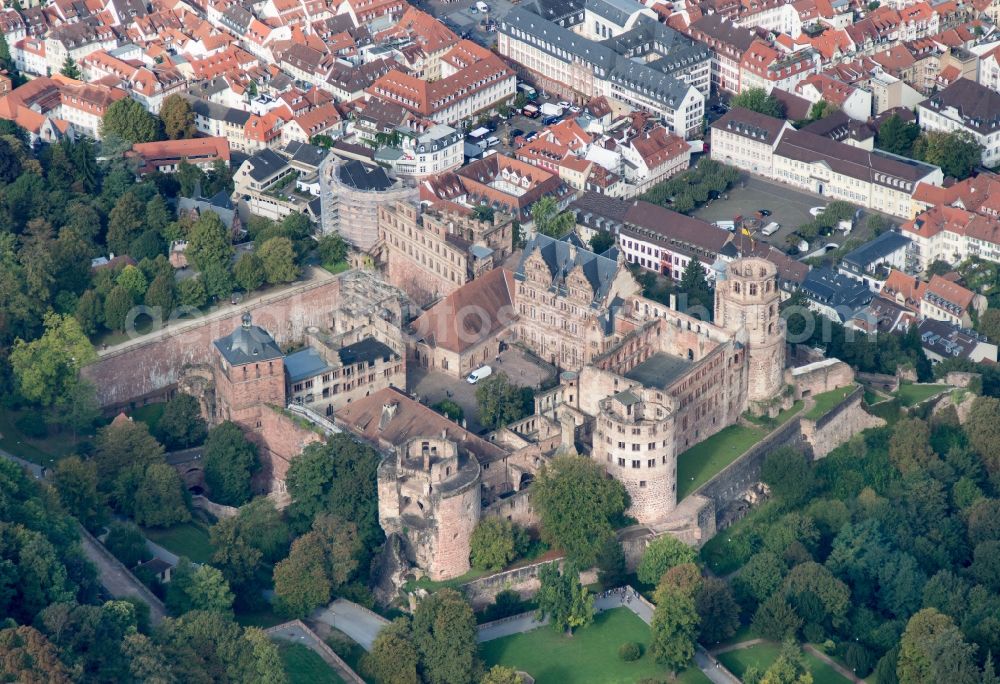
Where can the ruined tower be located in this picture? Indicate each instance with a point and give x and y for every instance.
(633, 440)
(746, 303)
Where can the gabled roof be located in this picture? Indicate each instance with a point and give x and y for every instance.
(476, 311)
(562, 257)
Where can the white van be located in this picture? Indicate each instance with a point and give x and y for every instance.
(771, 228)
(492, 141)
(482, 7)
(478, 374)
(726, 225)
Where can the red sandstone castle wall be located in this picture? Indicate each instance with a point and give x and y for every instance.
(149, 368)
(279, 439)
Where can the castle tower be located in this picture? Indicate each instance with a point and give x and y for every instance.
(746, 303)
(249, 372)
(634, 441)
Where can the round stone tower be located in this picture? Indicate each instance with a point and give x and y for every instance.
(746, 303)
(634, 441)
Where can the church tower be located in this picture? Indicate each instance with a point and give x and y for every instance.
(746, 303)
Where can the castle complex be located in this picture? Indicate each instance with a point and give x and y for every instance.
(640, 384)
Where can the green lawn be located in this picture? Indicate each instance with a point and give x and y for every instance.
(304, 666)
(187, 539)
(700, 463)
(46, 451)
(762, 655)
(149, 414)
(826, 401)
(338, 267)
(589, 656)
(910, 394)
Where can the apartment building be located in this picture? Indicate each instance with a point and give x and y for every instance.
(728, 43)
(654, 156)
(746, 140)
(166, 155)
(650, 67)
(968, 107)
(952, 235)
(944, 300)
(436, 150)
(836, 170)
(763, 66)
(473, 80)
(77, 41)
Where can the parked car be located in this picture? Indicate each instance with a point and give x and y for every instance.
(816, 211)
(564, 104)
(514, 132)
(771, 228)
(478, 374)
(575, 109)
(764, 212)
(549, 120)
(531, 136)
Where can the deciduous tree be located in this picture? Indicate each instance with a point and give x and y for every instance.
(561, 598)
(130, 121)
(444, 632)
(718, 614)
(549, 220)
(76, 482)
(249, 272)
(208, 243)
(757, 100)
(177, 117)
(580, 531)
(46, 368)
(495, 543)
(663, 553)
(230, 462)
(160, 501)
(933, 650)
(674, 627)
(393, 658)
(278, 258)
(500, 401)
(181, 425)
(117, 305)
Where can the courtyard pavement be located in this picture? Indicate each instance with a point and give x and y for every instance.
(432, 386)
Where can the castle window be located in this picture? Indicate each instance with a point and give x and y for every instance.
(642, 484)
(650, 463)
(621, 445)
(621, 462)
(636, 464)
(651, 446)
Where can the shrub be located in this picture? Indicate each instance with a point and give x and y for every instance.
(630, 651)
(32, 425)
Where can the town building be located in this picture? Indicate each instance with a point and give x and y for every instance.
(834, 295)
(968, 107)
(671, 81)
(872, 262)
(427, 153)
(943, 341)
(165, 156)
(945, 300)
(728, 43)
(952, 235)
(747, 140)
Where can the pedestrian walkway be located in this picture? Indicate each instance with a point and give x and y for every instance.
(352, 619)
(298, 632)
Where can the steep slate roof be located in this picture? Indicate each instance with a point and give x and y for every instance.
(870, 252)
(265, 164)
(750, 124)
(562, 257)
(364, 351)
(474, 312)
(249, 343)
(363, 176)
(977, 105)
(871, 166)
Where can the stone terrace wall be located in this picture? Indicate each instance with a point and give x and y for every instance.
(728, 486)
(150, 367)
(517, 508)
(845, 420)
(524, 580)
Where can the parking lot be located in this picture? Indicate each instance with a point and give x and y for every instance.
(460, 17)
(431, 386)
(788, 207)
